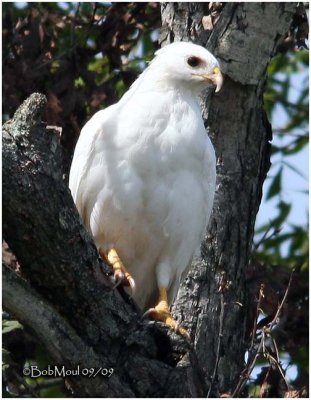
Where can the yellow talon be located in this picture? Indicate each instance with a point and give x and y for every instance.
(162, 313)
(119, 271)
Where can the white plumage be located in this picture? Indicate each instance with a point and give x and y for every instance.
(143, 172)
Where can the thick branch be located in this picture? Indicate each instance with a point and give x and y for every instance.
(61, 264)
(57, 335)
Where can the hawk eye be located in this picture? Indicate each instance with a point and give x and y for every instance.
(193, 61)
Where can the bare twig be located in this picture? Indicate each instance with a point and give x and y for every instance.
(264, 384)
(274, 362)
(248, 370)
(260, 296)
(266, 237)
(274, 321)
(223, 285)
(262, 348)
(275, 349)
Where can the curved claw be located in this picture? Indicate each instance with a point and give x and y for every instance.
(117, 283)
(124, 278)
(164, 315)
(120, 274)
(149, 313)
(131, 283)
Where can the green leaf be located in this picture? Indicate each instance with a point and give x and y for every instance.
(275, 186)
(296, 146)
(8, 326)
(284, 210)
(120, 87)
(79, 82)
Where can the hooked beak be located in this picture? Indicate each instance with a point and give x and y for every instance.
(215, 78)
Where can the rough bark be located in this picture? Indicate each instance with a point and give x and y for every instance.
(65, 294)
(213, 299)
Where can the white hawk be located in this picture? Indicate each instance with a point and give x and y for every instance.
(143, 176)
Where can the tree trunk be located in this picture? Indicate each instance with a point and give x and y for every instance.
(65, 295)
(213, 299)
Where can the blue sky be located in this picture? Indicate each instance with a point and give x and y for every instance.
(294, 186)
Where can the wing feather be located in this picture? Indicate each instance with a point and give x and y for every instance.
(97, 126)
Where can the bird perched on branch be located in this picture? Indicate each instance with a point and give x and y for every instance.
(143, 176)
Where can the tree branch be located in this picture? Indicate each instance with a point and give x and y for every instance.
(54, 332)
(61, 265)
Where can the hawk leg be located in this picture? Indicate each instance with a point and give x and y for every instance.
(119, 271)
(162, 313)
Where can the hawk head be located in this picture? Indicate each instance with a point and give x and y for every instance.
(187, 64)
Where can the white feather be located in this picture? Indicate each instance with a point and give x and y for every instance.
(143, 173)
